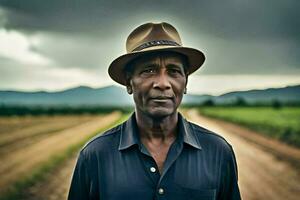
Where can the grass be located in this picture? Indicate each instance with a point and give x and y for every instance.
(17, 190)
(282, 124)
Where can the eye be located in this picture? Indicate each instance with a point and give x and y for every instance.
(175, 71)
(148, 71)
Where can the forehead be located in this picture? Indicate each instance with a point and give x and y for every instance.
(168, 57)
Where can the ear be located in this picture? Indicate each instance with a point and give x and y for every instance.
(129, 89)
(128, 86)
(185, 89)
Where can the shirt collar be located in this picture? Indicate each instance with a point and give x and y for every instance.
(187, 132)
(129, 133)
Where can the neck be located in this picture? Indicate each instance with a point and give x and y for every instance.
(153, 128)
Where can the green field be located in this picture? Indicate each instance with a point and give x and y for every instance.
(282, 124)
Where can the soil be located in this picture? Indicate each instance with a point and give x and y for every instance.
(34, 129)
(57, 183)
(17, 163)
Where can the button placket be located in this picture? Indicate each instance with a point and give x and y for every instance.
(149, 163)
(173, 154)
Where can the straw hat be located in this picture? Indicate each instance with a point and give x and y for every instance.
(152, 37)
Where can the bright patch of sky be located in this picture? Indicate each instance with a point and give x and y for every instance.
(16, 46)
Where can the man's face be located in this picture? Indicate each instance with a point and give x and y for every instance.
(158, 82)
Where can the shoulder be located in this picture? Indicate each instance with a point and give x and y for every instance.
(103, 141)
(210, 140)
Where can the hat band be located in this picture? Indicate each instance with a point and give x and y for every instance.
(156, 43)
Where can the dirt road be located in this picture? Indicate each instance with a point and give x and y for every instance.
(17, 133)
(261, 174)
(57, 183)
(16, 164)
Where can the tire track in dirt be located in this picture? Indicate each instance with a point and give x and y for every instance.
(17, 164)
(261, 174)
(13, 123)
(23, 136)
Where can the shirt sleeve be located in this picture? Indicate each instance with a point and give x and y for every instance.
(230, 189)
(79, 188)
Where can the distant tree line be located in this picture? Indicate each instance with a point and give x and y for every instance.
(6, 110)
(241, 102)
(31, 110)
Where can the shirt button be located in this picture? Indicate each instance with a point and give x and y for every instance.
(161, 191)
(152, 169)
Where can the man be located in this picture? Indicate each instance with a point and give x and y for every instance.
(156, 153)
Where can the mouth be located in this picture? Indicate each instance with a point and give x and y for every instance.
(161, 99)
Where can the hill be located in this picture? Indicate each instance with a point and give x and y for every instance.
(117, 96)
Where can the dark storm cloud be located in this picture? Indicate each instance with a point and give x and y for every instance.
(241, 36)
(232, 18)
(69, 15)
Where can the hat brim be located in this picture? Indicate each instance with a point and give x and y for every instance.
(116, 69)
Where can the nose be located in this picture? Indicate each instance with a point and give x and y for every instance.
(162, 81)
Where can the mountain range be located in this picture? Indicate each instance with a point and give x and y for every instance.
(117, 96)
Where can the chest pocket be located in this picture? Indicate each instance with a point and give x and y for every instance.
(196, 194)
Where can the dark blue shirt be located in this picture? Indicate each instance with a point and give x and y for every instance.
(116, 165)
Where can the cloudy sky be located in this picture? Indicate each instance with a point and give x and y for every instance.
(58, 44)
